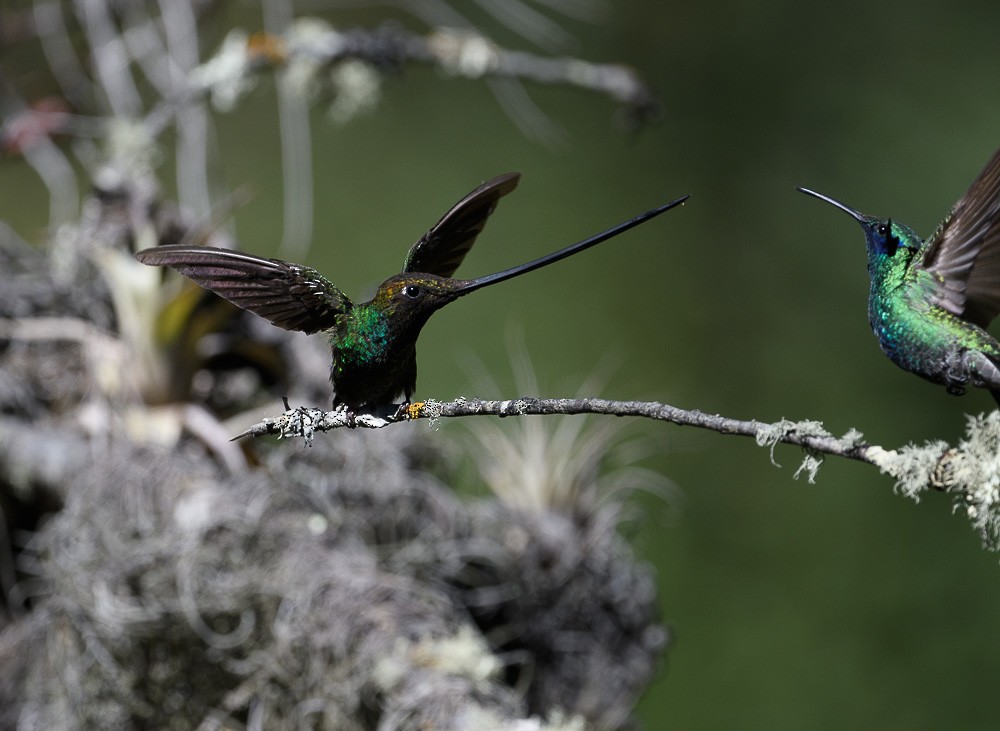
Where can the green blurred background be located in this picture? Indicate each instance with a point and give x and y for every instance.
(792, 605)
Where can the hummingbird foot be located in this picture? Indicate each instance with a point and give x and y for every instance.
(970, 367)
(350, 416)
(388, 411)
(955, 386)
(955, 390)
(956, 374)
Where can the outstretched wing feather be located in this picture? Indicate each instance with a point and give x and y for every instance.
(290, 296)
(965, 250)
(444, 246)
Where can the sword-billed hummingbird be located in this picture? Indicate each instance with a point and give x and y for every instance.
(931, 301)
(373, 343)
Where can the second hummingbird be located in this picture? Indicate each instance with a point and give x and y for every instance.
(373, 343)
(931, 301)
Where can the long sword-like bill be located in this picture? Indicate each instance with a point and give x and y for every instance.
(470, 285)
(852, 212)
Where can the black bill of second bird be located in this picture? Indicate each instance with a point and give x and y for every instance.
(930, 301)
(373, 343)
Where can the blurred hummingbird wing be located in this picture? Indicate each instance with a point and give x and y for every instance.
(964, 252)
(441, 250)
(290, 296)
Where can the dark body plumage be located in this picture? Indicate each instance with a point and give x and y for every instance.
(931, 301)
(373, 343)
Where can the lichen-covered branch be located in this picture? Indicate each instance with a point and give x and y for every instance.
(304, 421)
(969, 471)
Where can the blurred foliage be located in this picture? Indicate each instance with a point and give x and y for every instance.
(833, 605)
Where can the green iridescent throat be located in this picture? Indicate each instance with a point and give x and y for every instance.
(365, 336)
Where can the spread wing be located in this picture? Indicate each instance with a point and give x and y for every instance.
(965, 250)
(290, 296)
(441, 250)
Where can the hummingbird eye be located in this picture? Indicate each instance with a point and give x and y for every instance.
(891, 242)
(412, 291)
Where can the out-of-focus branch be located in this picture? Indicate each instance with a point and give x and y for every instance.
(458, 53)
(110, 58)
(296, 144)
(181, 31)
(128, 72)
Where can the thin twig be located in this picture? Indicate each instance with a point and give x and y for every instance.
(304, 422)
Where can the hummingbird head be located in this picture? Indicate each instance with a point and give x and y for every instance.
(883, 237)
(409, 299)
